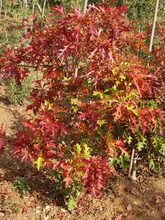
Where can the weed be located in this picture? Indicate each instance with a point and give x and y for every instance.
(21, 185)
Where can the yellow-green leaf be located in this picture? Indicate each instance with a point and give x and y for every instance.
(38, 162)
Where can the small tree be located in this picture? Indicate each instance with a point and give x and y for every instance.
(97, 98)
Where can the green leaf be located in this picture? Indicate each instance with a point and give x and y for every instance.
(162, 150)
(74, 101)
(86, 153)
(151, 164)
(163, 161)
(78, 148)
(152, 103)
(140, 145)
(98, 94)
(122, 77)
(129, 140)
(130, 95)
(21, 184)
(114, 88)
(85, 83)
(71, 203)
(131, 108)
(101, 122)
(123, 161)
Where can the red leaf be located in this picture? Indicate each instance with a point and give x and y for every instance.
(2, 138)
(67, 181)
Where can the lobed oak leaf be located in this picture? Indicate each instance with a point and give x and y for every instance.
(68, 180)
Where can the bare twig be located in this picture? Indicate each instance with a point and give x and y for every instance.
(39, 7)
(154, 25)
(85, 6)
(76, 72)
(131, 163)
(43, 9)
(34, 67)
(133, 176)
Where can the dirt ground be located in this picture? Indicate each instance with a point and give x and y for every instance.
(121, 200)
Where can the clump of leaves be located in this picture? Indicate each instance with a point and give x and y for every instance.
(91, 103)
(21, 185)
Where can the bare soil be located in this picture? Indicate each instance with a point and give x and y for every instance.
(121, 200)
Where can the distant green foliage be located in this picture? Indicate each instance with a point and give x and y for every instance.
(10, 36)
(141, 10)
(17, 94)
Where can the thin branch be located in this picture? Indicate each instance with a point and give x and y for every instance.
(34, 67)
(133, 176)
(85, 6)
(39, 7)
(43, 9)
(154, 25)
(131, 163)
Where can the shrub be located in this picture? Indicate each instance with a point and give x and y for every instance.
(99, 97)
